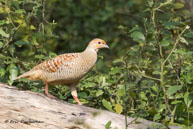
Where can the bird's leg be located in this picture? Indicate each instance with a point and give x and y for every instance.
(74, 94)
(47, 92)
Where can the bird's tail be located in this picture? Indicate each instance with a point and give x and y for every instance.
(32, 75)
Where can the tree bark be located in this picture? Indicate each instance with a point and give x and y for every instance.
(29, 110)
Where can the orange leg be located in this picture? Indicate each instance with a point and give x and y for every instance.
(77, 100)
(74, 94)
(47, 93)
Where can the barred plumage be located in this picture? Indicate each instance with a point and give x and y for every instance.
(68, 68)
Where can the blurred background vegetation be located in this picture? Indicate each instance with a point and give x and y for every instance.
(147, 72)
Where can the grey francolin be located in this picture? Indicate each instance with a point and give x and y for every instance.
(66, 69)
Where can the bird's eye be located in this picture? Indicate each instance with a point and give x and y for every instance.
(99, 42)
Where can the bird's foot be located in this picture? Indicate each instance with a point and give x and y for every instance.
(50, 96)
(77, 100)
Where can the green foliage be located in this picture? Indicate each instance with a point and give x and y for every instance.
(146, 73)
(107, 105)
(108, 125)
(137, 36)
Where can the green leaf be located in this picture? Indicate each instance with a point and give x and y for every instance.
(171, 25)
(187, 99)
(143, 96)
(89, 84)
(138, 36)
(164, 43)
(121, 27)
(20, 43)
(108, 124)
(82, 95)
(2, 72)
(1, 44)
(35, 41)
(2, 33)
(156, 72)
(20, 11)
(115, 70)
(176, 102)
(150, 3)
(180, 51)
(117, 61)
(11, 49)
(173, 89)
(121, 92)
(39, 56)
(52, 54)
(156, 117)
(155, 87)
(107, 105)
(118, 108)
(15, 3)
(99, 92)
(2, 22)
(13, 73)
(178, 5)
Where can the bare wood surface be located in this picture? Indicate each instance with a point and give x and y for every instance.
(29, 110)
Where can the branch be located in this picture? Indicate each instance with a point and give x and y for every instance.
(146, 76)
(154, 24)
(163, 4)
(175, 71)
(176, 42)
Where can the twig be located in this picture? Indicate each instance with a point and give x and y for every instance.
(154, 24)
(176, 42)
(175, 71)
(41, 25)
(131, 122)
(163, 4)
(163, 87)
(154, 9)
(43, 10)
(125, 87)
(146, 76)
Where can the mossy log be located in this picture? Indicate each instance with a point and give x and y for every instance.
(29, 110)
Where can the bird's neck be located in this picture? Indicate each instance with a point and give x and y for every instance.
(91, 49)
(90, 55)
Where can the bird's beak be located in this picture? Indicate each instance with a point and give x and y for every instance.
(106, 46)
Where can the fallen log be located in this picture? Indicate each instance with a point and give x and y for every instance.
(29, 110)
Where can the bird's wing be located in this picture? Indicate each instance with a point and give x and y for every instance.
(56, 63)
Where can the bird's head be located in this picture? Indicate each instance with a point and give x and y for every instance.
(97, 44)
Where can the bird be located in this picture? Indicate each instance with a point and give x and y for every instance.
(66, 69)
